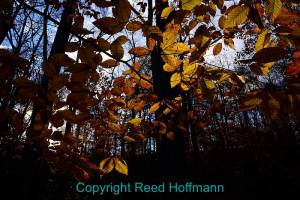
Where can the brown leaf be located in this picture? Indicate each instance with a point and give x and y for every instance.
(109, 25)
(139, 51)
(109, 63)
(134, 26)
(103, 44)
(217, 49)
(122, 10)
(267, 55)
(72, 46)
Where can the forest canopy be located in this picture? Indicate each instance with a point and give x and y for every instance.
(82, 80)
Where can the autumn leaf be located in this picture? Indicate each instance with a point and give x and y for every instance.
(151, 43)
(252, 100)
(261, 69)
(236, 16)
(189, 69)
(135, 121)
(171, 60)
(209, 84)
(190, 4)
(103, 44)
(114, 127)
(176, 49)
(116, 47)
(72, 46)
(109, 63)
(175, 79)
(273, 9)
(108, 25)
(128, 138)
(107, 165)
(184, 86)
(138, 106)
(134, 26)
(229, 42)
(217, 49)
(166, 11)
(169, 68)
(261, 40)
(170, 35)
(224, 77)
(221, 22)
(122, 10)
(139, 51)
(121, 166)
(154, 107)
(267, 55)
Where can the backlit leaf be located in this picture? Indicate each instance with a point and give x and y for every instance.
(209, 84)
(134, 26)
(154, 107)
(217, 49)
(176, 49)
(107, 165)
(109, 25)
(169, 68)
(128, 138)
(236, 16)
(135, 121)
(109, 63)
(273, 9)
(190, 4)
(121, 166)
(139, 51)
(261, 40)
(175, 79)
(166, 11)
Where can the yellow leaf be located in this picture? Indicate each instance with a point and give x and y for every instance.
(121, 166)
(107, 165)
(135, 121)
(175, 79)
(176, 49)
(236, 16)
(170, 35)
(209, 84)
(128, 138)
(189, 69)
(114, 127)
(154, 107)
(169, 68)
(166, 11)
(190, 4)
(171, 60)
(261, 40)
(224, 77)
(273, 9)
(266, 68)
(217, 49)
(184, 87)
(166, 111)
